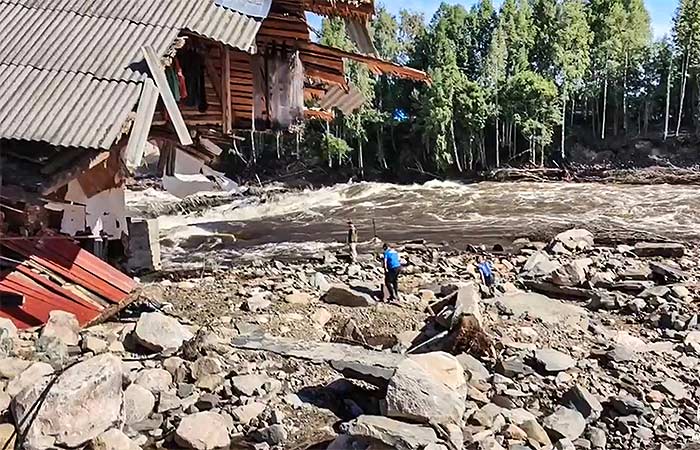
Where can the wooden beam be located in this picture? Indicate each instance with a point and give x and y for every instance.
(226, 90)
(158, 73)
(133, 154)
(213, 76)
(85, 163)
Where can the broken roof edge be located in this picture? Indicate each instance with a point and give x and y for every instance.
(357, 9)
(376, 65)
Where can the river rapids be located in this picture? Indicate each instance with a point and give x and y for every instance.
(306, 223)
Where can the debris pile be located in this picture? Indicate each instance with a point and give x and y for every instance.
(602, 355)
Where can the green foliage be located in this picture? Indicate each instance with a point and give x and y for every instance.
(334, 148)
(502, 79)
(534, 103)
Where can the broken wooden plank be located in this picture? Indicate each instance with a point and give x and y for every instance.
(226, 91)
(158, 73)
(142, 125)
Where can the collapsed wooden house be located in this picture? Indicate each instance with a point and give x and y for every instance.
(87, 85)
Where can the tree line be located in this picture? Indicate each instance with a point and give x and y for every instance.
(515, 85)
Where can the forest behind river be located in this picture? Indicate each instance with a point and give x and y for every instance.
(527, 84)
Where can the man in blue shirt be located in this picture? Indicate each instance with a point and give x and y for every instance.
(392, 268)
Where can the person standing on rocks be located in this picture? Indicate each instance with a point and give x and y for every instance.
(352, 241)
(392, 269)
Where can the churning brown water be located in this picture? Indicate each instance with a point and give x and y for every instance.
(306, 223)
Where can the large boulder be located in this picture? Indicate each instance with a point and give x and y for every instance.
(572, 274)
(345, 296)
(428, 388)
(553, 361)
(565, 423)
(203, 431)
(575, 240)
(138, 404)
(84, 402)
(548, 310)
(158, 332)
(28, 377)
(539, 265)
(467, 303)
(63, 326)
(390, 433)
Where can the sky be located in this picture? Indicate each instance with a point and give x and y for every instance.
(661, 11)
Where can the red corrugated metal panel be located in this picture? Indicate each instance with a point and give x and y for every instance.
(49, 262)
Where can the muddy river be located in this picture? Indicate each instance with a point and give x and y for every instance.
(307, 223)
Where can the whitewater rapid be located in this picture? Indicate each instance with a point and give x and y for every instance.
(308, 222)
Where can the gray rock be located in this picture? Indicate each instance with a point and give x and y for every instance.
(598, 438)
(668, 272)
(113, 440)
(52, 350)
(565, 423)
(576, 239)
(472, 365)
(513, 367)
(203, 431)
(564, 444)
(486, 416)
(391, 433)
(94, 345)
(539, 265)
(168, 401)
(467, 303)
(627, 406)
(68, 414)
(246, 413)
(257, 303)
(535, 432)
(655, 291)
(158, 332)
(550, 311)
(9, 327)
(138, 404)
(155, 380)
(249, 385)
(11, 367)
(352, 361)
(206, 365)
(666, 250)
(29, 377)
(345, 296)
(4, 402)
(571, 274)
(64, 326)
(553, 361)
(580, 399)
(273, 435)
(674, 388)
(7, 435)
(427, 388)
(207, 402)
(319, 282)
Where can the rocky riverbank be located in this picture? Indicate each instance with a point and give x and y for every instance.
(580, 346)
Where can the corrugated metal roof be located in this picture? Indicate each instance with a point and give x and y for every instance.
(45, 279)
(62, 108)
(71, 69)
(253, 8)
(346, 101)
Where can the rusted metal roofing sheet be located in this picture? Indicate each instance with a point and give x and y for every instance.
(62, 108)
(345, 100)
(56, 274)
(72, 69)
